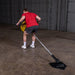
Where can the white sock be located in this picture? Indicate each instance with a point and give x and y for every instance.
(24, 43)
(33, 42)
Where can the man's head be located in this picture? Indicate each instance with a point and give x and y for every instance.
(25, 10)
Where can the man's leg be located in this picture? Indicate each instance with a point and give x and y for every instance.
(33, 37)
(33, 41)
(24, 39)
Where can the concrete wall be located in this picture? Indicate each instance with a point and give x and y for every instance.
(4, 14)
(71, 16)
(52, 12)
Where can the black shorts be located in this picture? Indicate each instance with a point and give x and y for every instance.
(32, 29)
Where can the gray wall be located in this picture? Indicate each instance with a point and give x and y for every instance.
(71, 16)
(52, 12)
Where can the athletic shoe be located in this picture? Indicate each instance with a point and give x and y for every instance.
(24, 47)
(32, 46)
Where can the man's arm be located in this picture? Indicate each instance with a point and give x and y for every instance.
(21, 19)
(38, 18)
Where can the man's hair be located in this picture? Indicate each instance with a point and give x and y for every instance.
(25, 9)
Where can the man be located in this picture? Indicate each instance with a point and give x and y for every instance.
(31, 26)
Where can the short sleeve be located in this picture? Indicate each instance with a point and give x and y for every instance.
(35, 14)
(23, 14)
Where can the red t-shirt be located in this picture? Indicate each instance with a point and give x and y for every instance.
(30, 19)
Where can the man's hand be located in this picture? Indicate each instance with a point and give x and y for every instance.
(17, 23)
(38, 18)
